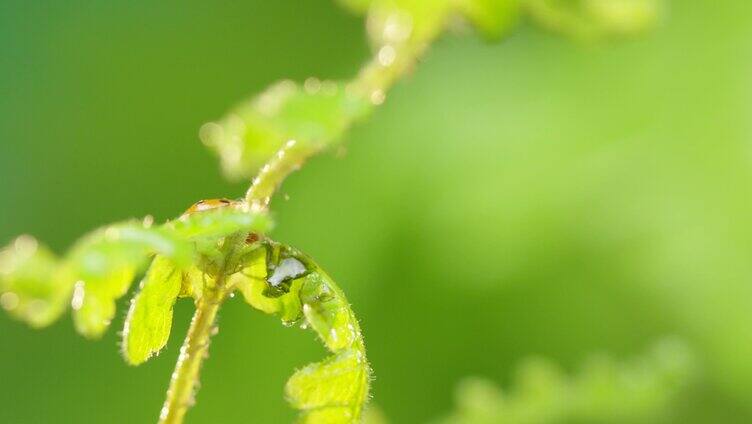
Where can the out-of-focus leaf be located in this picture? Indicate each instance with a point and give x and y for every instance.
(407, 22)
(149, 320)
(101, 266)
(492, 18)
(639, 391)
(594, 19)
(332, 391)
(94, 298)
(624, 16)
(32, 287)
(318, 113)
(105, 263)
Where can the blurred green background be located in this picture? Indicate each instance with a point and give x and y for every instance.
(529, 197)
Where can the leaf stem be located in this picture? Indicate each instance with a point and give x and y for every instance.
(184, 382)
(185, 379)
(287, 159)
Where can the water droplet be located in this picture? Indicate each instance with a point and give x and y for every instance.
(289, 323)
(378, 97)
(78, 295)
(312, 85)
(148, 221)
(25, 245)
(386, 55)
(398, 27)
(211, 134)
(164, 412)
(9, 301)
(112, 233)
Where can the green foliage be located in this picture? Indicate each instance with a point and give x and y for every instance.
(28, 289)
(206, 255)
(36, 286)
(639, 391)
(331, 391)
(492, 18)
(595, 19)
(317, 113)
(149, 320)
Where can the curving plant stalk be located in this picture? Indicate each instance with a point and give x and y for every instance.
(219, 247)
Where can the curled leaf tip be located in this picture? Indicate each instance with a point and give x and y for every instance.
(278, 279)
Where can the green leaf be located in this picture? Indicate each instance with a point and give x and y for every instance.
(638, 391)
(36, 287)
(326, 310)
(317, 113)
(590, 20)
(212, 225)
(105, 263)
(251, 282)
(279, 279)
(492, 18)
(331, 391)
(149, 320)
(126, 245)
(94, 300)
(32, 287)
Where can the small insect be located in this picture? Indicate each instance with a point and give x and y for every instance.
(205, 205)
(209, 204)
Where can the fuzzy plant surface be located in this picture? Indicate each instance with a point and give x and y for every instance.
(640, 390)
(219, 247)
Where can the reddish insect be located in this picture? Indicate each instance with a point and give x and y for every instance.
(209, 204)
(205, 205)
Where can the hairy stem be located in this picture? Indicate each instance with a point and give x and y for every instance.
(288, 159)
(183, 386)
(185, 378)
